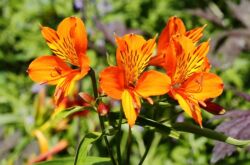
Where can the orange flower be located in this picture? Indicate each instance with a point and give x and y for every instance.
(174, 26)
(127, 81)
(191, 84)
(69, 44)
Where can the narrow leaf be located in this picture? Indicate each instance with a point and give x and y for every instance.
(90, 160)
(82, 150)
(64, 161)
(9, 118)
(66, 113)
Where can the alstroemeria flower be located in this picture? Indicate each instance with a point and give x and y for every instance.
(191, 84)
(127, 81)
(69, 45)
(174, 26)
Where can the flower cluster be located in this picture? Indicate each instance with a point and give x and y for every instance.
(186, 79)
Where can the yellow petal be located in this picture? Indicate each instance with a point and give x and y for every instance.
(128, 107)
(191, 107)
(42, 141)
(195, 34)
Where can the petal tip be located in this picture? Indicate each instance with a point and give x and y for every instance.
(222, 112)
(131, 123)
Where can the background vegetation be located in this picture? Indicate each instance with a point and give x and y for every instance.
(25, 106)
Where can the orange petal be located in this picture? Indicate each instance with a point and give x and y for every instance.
(152, 83)
(203, 86)
(170, 60)
(174, 26)
(69, 42)
(197, 60)
(190, 59)
(112, 81)
(195, 34)
(48, 69)
(73, 28)
(128, 107)
(190, 106)
(158, 60)
(133, 54)
(206, 65)
(132, 43)
(183, 44)
(65, 85)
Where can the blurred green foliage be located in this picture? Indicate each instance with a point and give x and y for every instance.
(21, 42)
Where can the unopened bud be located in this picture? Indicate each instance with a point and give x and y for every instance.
(103, 109)
(213, 108)
(86, 97)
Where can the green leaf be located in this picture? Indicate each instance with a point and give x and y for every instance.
(109, 59)
(9, 118)
(64, 161)
(90, 160)
(67, 112)
(82, 150)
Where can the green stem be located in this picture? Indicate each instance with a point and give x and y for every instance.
(95, 90)
(186, 127)
(94, 82)
(151, 135)
(190, 128)
(129, 144)
(118, 139)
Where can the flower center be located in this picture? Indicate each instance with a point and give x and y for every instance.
(177, 85)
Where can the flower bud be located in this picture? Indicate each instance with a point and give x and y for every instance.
(213, 108)
(86, 97)
(103, 109)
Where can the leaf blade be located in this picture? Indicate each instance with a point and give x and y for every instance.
(82, 150)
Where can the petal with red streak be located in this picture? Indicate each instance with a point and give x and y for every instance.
(174, 26)
(48, 69)
(203, 86)
(191, 107)
(74, 28)
(65, 86)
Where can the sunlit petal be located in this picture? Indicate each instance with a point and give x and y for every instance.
(69, 42)
(133, 54)
(74, 28)
(174, 26)
(112, 81)
(65, 86)
(48, 69)
(152, 83)
(203, 86)
(191, 107)
(195, 34)
(128, 107)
